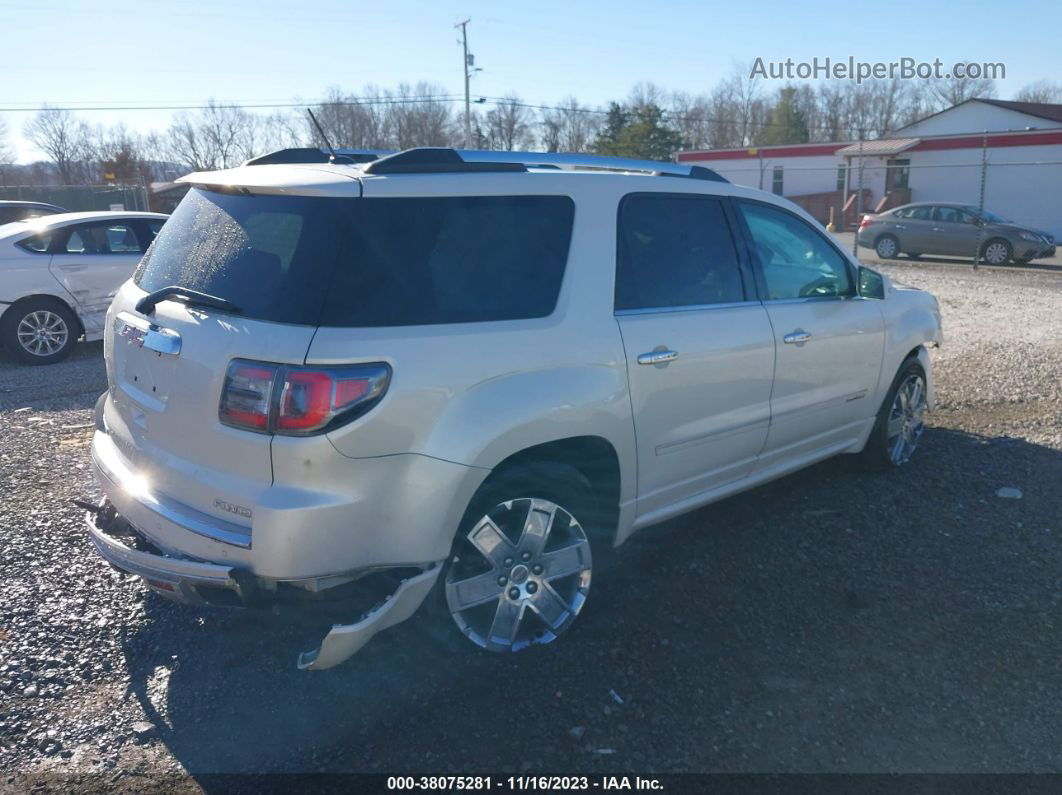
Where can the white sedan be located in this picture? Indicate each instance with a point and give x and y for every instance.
(59, 273)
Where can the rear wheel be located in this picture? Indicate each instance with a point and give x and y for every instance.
(887, 246)
(39, 331)
(520, 570)
(901, 419)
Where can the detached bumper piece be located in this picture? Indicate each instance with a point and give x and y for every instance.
(180, 579)
(201, 583)
(345, 640)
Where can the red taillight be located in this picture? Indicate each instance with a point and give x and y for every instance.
(865, 221)
(299, 400)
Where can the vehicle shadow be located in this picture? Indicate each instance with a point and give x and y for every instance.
(832, 621)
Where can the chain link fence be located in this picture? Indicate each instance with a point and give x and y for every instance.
(78, 198)
(982, 198)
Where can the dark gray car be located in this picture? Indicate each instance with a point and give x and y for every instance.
(952, 229)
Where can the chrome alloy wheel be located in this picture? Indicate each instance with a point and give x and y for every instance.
(996, 253)
(520, 577)
(42, 333)
(906, 419)
(886, 247)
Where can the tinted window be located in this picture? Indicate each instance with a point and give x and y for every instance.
(952, 215)
(675, 251)
(921, 213)
(366, 262)
(797, 261)
(38, 244)
(106, 238)
(451, 260)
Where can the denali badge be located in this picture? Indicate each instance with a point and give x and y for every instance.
(239, 510)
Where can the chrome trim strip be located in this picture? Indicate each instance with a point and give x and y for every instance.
(683, 444)
(691, 308)
(820, 406)
(184, 516)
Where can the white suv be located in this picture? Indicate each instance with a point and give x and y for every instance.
(463, 376)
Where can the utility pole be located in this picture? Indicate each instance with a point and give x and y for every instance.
(467, 64)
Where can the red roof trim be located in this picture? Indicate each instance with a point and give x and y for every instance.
(1030, 138)
(1044, 138)
(797, 150)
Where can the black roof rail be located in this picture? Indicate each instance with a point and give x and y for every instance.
(435, 160)
(443, 160)
(312, 154)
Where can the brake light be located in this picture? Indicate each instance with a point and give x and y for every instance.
(298, 401)
(865, 221)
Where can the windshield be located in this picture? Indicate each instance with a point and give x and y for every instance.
(990, 217)
(366, 262)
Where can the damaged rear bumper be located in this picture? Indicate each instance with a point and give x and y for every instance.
(199, 582)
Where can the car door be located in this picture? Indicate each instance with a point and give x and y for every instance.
(91, 261)
(829, 341)
(955, 230)
(914, 229)
(699, 347)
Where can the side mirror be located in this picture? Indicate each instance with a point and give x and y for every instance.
(871, 284)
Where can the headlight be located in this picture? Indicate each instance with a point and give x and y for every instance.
(1031, 237)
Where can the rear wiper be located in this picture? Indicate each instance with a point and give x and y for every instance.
(146, 305)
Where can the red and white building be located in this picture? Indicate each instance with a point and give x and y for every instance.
(937, 158)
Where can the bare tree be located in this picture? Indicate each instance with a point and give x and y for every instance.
(219, 136)
(951, 91)
(63, 138)
(570, 127)
(508, 125)
(418, 116)
(6, 155)
(1040, 91)
(689, 115)
(361, 123)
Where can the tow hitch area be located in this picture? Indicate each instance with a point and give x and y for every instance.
(344, 640)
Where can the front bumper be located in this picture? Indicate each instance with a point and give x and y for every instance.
(200, 582)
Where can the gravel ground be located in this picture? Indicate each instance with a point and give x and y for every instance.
(834, 621)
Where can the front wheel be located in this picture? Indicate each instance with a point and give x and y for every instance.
(901, 420)
(520, 570)
(996, 252)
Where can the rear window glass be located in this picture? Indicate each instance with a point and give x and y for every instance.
(367, 262)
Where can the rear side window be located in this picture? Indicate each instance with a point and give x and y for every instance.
(366, 262)
(450, 260)
(675, 251)
(38, 244)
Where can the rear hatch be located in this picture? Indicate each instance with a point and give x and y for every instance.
(271, 256)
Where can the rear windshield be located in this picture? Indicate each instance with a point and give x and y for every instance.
(367, 262)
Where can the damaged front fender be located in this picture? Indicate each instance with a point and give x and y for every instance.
(344, 640)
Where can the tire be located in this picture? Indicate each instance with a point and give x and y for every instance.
(499, 592)
(887, 246)
(39, 331)
(884, 450)
(996, 251)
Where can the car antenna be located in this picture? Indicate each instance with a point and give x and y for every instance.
(321, 132)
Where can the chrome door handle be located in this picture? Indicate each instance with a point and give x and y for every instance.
(937, 229)
(796, 337)
(71, 268)
(898, 226)
(657, 357)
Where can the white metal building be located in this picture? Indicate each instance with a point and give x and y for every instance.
(936, 158)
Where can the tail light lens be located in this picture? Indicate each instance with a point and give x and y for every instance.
(298, 401)
(865, 221)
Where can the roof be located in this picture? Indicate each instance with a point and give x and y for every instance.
(1042, 110)
(879, 146)
(23, 203)
(59, 219)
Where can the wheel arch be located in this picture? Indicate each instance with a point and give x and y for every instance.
(49, 297)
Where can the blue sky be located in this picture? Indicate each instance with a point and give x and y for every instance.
(143, 51)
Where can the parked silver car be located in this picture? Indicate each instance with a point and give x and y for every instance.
(952, 229)
(464, 377)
